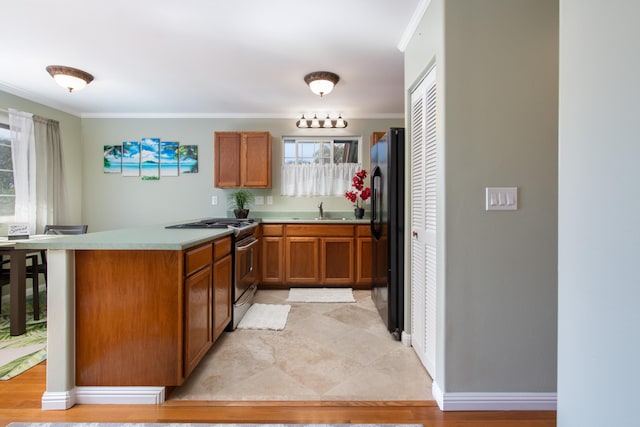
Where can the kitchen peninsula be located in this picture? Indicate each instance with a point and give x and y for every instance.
(130, 311)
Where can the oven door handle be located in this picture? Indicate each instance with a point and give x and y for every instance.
(248, 245)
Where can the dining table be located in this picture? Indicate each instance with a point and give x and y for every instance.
(17, 279)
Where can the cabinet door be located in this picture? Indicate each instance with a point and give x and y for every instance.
(197, 318)
(337, 261)
(363, 261)
(272, 260)
(227, 148)
(302, 260)
(256, 160)
(221, 295)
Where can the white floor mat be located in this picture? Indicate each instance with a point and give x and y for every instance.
(321, 295)
(265, 316)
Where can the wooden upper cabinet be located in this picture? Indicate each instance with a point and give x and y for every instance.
(375, 137)
(242, 159)
(227, 159)
(256, 159)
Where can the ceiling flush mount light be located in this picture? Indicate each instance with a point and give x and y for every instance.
(321, 82)
(317, 123)
(69, 78)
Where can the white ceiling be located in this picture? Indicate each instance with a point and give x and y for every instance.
(240, 58)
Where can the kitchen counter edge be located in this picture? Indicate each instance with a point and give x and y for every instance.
(137, 238)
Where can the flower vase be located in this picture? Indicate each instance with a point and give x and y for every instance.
(359, 212)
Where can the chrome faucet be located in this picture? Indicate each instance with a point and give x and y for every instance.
(321, 211)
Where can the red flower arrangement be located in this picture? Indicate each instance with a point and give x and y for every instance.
(360, 192)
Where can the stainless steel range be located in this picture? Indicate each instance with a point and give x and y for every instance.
(245, 259)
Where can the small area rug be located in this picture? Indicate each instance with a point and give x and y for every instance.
(201, 425)
(321, 295)
(22, 352)
(265, 316)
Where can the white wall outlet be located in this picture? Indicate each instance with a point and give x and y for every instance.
(259, 200)
(214, 200)
(501, 198)
(269, 200)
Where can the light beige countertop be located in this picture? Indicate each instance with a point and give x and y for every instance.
(155, 237)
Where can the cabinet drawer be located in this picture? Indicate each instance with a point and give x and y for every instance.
(196, 258)
(221, 247)
(363, 231)
(320, 230)
(272, 229)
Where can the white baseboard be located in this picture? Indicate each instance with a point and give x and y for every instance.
(120, 395)
(57, 401)
(405, 338)
(494, 401)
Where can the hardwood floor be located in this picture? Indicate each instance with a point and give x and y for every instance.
(20, 401)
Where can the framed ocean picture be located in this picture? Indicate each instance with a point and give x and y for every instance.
(112, 159)
(131, 158)
(169, 158)
(150, 158)
(188, 158)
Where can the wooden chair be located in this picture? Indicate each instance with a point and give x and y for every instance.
(35, 268)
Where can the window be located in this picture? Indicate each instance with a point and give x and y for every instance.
(7, 190)
(320, 151)
(320, 166)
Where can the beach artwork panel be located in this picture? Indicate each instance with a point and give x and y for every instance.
(188, 159)
(131, 158)
(112, 159)
(169, 158)
(150, 158)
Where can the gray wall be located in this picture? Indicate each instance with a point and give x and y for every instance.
(71, 149)
(112, 201)
(498, 84)
(599, 232)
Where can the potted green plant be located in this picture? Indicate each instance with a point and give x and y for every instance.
(239, 200)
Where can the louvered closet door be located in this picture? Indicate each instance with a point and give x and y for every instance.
(423, 221)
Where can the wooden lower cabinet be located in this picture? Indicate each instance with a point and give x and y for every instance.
(272, 260)
(147, 317)
(336, 261)
(319, 255)
(316, 255)
(198, 336)
(222, 304)
(302, 263)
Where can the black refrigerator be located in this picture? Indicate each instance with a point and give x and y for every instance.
(387, 228)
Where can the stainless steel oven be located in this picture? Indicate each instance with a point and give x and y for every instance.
(245, 275)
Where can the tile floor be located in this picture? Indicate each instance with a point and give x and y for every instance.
(327, 351)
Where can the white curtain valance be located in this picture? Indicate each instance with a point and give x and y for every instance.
(317, 180)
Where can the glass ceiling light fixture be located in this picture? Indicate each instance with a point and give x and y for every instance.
(317, 123)
(69, 78)
(321, 82)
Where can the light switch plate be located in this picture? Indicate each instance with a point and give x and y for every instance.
(214, 200)
(501, 199)
(259, 200)
(269, 200)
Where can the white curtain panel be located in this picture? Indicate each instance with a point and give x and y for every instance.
(23, 152)
(317, 180)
